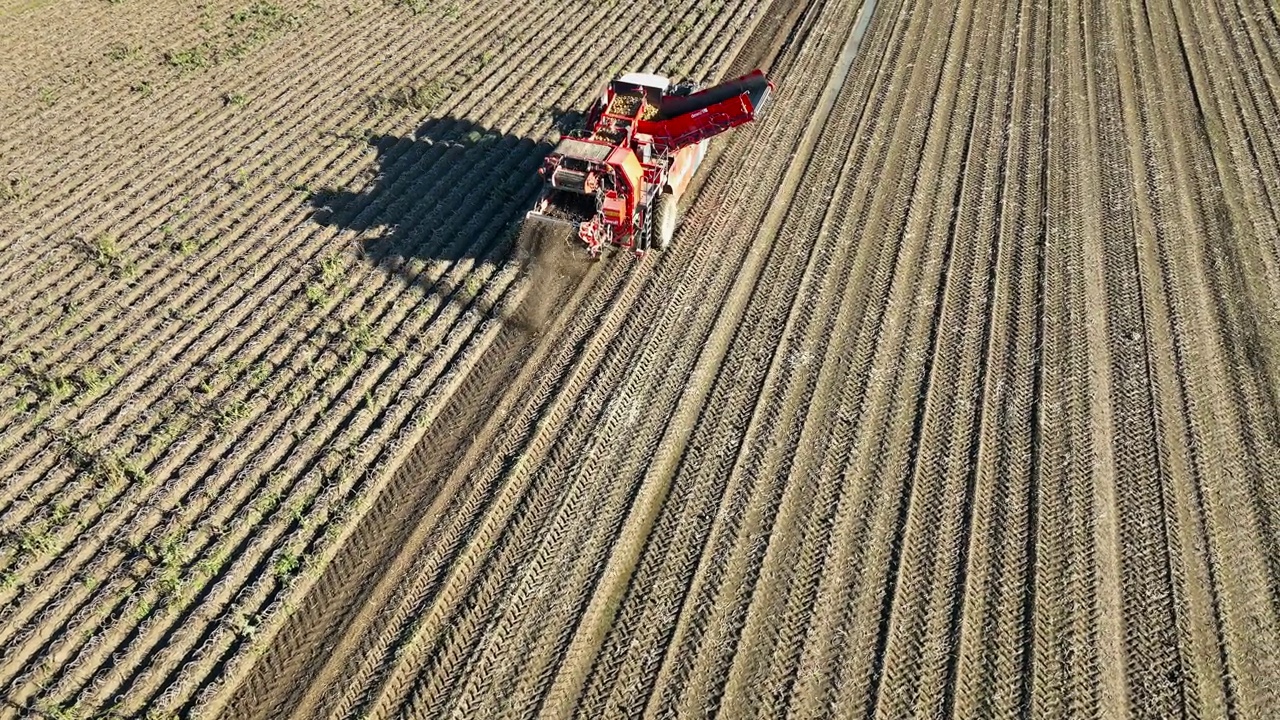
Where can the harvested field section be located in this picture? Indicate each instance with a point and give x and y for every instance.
(957, 394)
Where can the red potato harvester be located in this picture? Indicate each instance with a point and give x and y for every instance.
(619, 182)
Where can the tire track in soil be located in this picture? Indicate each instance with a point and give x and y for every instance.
(900, 149)
(920, 672)
(1198, 694)
(840, 598)
(1152, 657)
(739, 397)
(765, 663)
(1245, 267)
(1219, 418)
(992, 655)
(1078, 654)
(933, 214)
(806, 263)
(650, 608)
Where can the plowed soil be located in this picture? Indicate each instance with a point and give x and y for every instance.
(957, 394)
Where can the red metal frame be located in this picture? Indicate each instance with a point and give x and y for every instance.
(675, 147)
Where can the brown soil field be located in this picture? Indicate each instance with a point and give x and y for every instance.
(957, 394)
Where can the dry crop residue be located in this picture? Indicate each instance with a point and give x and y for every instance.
(957, 394)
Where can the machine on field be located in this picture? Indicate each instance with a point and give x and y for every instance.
(619, 181)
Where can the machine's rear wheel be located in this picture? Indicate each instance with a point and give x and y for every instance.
(644, 237)
(664, 221)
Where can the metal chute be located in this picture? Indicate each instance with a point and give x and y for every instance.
(686, 120)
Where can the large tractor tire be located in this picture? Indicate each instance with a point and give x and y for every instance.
(665, 218)
(644, 236)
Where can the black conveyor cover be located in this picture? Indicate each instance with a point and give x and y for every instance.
(754, 84)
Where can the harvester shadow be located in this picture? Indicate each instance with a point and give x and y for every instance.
(455, 191)
(451, 191)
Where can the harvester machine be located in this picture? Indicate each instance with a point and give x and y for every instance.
(619, 181)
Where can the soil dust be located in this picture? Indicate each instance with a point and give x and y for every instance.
(553, 264)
